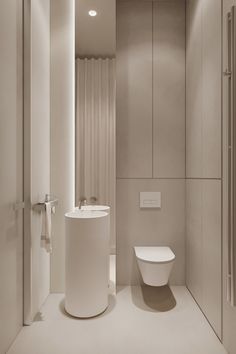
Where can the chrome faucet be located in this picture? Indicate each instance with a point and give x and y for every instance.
(82, 201)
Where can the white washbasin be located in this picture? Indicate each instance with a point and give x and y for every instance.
(87, 252)
(94, 208)
(85, 214)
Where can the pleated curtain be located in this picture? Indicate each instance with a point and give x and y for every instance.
(95, 133)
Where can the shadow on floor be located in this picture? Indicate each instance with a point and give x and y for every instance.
(153, 299)
(38, 317)
(111, 306)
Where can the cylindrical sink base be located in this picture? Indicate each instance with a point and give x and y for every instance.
(87, 252)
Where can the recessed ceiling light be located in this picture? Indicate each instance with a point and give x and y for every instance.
(92, 13)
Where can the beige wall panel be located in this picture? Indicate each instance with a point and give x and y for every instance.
(62, 130)
(40, 145)
(211, 91)
(194, 255)
(11, 162)
(211, 226)
(194, 90)
(203, 208)
(134, 90)
(203, 155)
(145, 227)
(169, 89)
(203, 89)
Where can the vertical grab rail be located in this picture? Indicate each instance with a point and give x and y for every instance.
(230, 179)
(231, 74)
(228, 74)
(233, 158)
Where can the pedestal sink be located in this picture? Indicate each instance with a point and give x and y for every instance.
(87, 252)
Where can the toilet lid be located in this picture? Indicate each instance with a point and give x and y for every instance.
(154, 254)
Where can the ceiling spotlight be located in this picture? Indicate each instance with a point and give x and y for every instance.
(92, 13)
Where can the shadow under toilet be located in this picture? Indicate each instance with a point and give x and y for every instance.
(153, 299)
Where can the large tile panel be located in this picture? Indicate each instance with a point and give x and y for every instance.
(203, 89)
(211, 226)
(194, 89)
(169, 89)
(203, 247)
(194, 255)
(134, 89)
(211, 90)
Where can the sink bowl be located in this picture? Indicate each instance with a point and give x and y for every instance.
(94, 208)
(85, 213)
(87, 252)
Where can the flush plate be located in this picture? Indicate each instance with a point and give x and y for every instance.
(150, 200)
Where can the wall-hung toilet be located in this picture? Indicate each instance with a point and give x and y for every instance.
(155, 264)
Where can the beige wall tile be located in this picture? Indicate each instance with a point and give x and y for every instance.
(194, 255)
(211, 90)
(35, 281)
(203, 246)
(203, 155)
(194, 90)
(134, 89)
(62, 130)
(203, 89)
(169, 89)
(156, 227)
(11, 162)
(211, 226)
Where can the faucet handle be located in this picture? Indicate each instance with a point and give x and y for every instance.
(93, 200)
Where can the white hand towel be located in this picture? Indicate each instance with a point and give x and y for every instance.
(46, 241)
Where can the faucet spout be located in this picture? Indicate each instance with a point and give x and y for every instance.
(82, 201)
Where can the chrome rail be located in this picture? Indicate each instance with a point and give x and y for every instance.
(230, 73)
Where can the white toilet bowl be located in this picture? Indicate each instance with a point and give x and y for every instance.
(155, 264)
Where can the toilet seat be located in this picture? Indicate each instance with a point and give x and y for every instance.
(154, 254)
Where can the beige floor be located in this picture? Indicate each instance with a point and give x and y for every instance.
(138, 321)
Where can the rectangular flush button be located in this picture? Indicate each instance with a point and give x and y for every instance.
(150, 199)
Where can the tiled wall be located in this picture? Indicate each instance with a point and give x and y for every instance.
(37, 281)
(150, 131)
(203, 156)
(62, 130)
(11, 159)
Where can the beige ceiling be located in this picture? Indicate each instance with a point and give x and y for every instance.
(95, 36)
